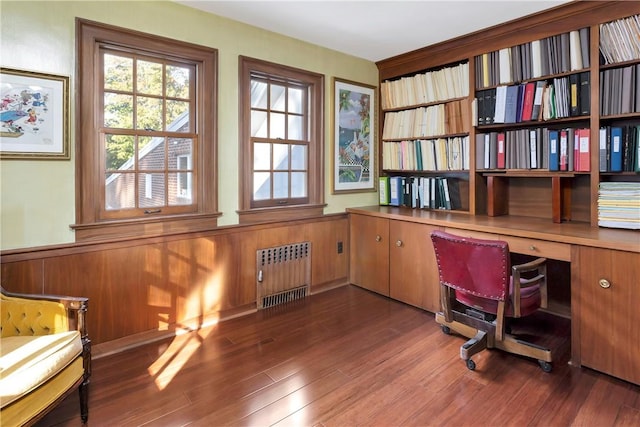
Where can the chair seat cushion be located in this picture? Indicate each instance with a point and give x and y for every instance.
(26, 362)
(529, 302)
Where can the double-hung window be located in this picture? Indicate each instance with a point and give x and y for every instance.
(281, 142)
(146, 133)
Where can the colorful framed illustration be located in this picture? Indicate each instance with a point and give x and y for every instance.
(354, 145)
(34, 115)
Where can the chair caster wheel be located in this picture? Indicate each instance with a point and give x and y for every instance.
(446, 330)
(545, 366)
(471, 365)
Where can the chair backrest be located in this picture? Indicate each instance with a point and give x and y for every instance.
(476, 266)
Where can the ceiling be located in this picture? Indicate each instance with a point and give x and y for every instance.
(372, 30)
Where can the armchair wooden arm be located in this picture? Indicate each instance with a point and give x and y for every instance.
(538, 266)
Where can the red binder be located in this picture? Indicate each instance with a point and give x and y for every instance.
(527, 103)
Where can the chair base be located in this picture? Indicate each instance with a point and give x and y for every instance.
(481, 340)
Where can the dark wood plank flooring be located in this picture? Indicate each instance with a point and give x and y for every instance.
(345, 357)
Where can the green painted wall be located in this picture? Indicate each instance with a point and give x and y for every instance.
(37, 203)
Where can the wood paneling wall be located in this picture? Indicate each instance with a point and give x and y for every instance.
(166, 283)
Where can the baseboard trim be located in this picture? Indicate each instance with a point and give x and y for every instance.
(129, 342)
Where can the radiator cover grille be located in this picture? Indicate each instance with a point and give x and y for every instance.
(283, 274)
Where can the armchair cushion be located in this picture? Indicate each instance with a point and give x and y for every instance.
(26, 362)
(45, 354)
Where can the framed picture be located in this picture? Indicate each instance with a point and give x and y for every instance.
(34, 115)
(354, 145)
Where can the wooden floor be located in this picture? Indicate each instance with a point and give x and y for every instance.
(345, 357)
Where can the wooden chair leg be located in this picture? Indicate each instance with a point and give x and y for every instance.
(84, 400)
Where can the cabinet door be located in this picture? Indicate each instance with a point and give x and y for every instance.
(609, 316)
(413, 273)
(369, 253)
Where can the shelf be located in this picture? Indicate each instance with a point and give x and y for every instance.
(428, 104)
(534, 123)
(541, 78)
(414, 138)
(619, 64)
(426, 172)
(530, 173)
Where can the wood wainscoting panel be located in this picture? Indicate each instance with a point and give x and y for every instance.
(327, 265)
(23, 276)
(172, 283)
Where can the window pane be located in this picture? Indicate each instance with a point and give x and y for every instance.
(258, 94)
(295, 100)
(149, 113)
(180, 191)
(280, 185)
(118, 111)
(177, 82)
(259, 124)
(118, 73)
(119, 151)
(157, 191)
(261, 156)
(280, 156)
(178, 116)
(151, 153)
(261, 185)
(277, 97)
(299, 184)
(295, 127)
(180, 153)
(120, 191)
(276, 129)
(299, 157)
(149, 78)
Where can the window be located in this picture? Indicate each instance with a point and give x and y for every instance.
(281, 142)
(146, 145)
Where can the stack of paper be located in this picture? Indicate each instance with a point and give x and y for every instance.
(619, 205)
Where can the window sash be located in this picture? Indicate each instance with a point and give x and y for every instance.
(115, 188)
(265, 133)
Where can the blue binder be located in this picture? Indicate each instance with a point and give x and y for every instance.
(616, 149)
(554, 150)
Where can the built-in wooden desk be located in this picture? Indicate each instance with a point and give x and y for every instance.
(392, 254)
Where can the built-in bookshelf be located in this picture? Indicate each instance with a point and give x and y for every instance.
(551, 112)
(425, 131)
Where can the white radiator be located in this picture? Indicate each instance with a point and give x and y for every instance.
(284, 273)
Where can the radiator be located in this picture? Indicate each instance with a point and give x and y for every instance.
(283, 273)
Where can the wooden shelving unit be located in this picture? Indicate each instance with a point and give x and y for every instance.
(560, 196)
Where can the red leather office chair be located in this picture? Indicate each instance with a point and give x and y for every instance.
(480, 290)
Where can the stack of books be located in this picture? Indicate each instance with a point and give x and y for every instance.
(421, 192)
(557, 54)
(619, 205)
(619, 41)
(432, 86)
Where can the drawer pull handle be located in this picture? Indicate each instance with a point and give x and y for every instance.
(605, 284)
(399, 243)
(378, 238)
(532, 248)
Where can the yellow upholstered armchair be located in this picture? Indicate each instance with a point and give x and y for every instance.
(45, 354)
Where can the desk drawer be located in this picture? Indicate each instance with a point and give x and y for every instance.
(539, 248)
(473, 234)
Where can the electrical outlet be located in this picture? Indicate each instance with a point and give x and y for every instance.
(339, 247)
